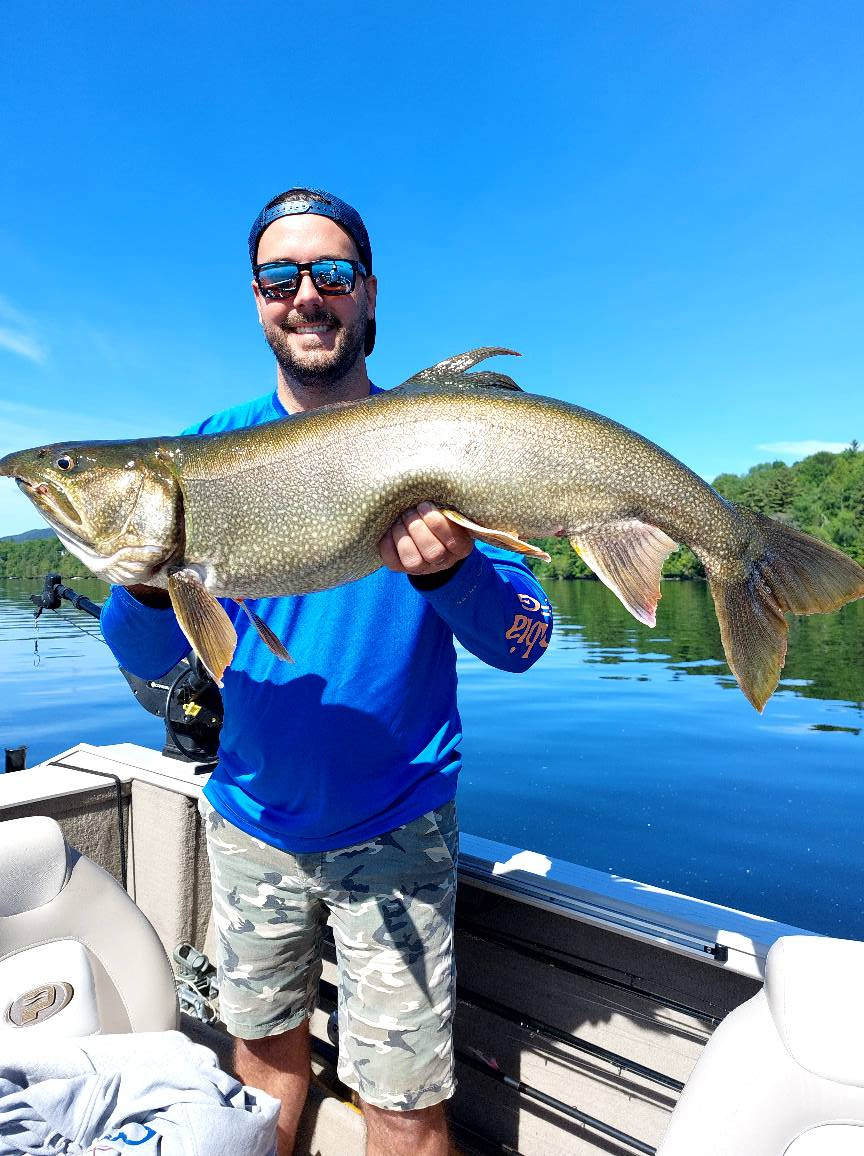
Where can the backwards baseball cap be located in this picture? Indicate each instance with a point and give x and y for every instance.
(323, 204)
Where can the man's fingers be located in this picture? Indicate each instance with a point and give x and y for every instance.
(387, 550)
(453, 537)
(398, 551)
(424, 541)
(409, 552)
(429, 539)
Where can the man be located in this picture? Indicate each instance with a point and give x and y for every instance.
(334, 790)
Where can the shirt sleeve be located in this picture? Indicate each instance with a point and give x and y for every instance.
(495, 607)
(143, 639)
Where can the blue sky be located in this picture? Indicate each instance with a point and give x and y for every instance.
(658, 205)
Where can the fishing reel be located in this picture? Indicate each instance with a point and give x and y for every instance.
(189, 701)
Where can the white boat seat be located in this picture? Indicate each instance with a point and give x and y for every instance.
(783, 1074)
(77, 957)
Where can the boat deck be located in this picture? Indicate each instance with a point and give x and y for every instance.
(584, 999)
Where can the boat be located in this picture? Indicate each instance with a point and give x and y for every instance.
(585, 999)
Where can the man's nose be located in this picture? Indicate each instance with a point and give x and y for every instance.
(306, 293)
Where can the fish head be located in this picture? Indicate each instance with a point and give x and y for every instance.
(115, 505)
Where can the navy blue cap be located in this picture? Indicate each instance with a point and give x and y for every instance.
(300, 200)
(323, 204)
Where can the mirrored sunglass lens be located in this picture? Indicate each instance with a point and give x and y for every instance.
(279, 278)
(333, 276)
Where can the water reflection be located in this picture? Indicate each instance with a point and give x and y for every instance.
(825, 657)
(634, 751)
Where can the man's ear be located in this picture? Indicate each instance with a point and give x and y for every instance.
(371, 294)
(259, 300)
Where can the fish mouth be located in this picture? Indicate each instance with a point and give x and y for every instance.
(53, 504)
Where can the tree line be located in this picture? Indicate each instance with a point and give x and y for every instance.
(822, 494)
(37, 557)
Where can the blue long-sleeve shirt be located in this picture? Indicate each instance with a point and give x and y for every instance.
(362, 732)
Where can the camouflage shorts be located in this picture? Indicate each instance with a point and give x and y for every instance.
(390, 902)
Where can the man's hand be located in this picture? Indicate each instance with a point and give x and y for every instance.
(423, 541)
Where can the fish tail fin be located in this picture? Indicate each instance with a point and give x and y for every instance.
(783, 571)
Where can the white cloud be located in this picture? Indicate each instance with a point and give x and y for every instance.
(17, 335)
(14, 341)
(803, 449)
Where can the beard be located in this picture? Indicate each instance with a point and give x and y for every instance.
(317, 369)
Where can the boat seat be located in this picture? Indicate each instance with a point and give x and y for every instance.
(77, 957)
(783, 1074)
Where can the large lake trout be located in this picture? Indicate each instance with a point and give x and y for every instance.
(301, 504)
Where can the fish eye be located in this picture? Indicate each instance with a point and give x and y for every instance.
(65, 462)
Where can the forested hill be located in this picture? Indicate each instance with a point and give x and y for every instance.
(823, 494)
(35, 557)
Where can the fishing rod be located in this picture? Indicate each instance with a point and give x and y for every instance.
(186, 698)
(489, 1066)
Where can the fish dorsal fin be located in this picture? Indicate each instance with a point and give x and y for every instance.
(451, 375)
(627, 556)
(203, 620)
(462, 362)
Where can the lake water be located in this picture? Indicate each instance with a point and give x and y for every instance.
(624, 749)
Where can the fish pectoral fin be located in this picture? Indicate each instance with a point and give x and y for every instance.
(203, 620)
(266, 635)
(502, 538)
(627, 557)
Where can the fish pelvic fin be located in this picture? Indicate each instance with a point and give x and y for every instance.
(784, 571)
(503, 538)
(451, 375)
(270, 640)
(627, 556)
(203, 620)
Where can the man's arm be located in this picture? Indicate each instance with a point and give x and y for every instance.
(144, 637)
(488, 597)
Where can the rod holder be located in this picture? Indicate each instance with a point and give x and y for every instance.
(16, 759)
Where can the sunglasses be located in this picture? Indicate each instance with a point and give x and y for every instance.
(331, 276)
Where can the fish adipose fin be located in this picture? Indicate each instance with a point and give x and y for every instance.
(451, 376)
(787, 571)
(502, 538)
(627, 557)
(203, 620)
(266, 635)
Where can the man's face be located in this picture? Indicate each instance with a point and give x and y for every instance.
(316, 339)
